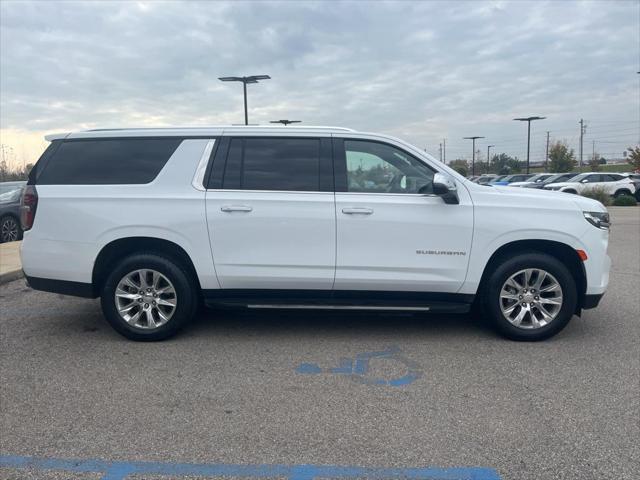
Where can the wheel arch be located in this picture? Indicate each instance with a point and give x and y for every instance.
(561, 251)
(122, 247)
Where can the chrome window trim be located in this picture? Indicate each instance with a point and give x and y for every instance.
(198, 177)
(379, 194)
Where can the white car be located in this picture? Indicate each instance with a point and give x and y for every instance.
(613, 183)
(155, 221)
(541, 177)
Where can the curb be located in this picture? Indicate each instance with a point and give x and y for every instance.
(10, 276)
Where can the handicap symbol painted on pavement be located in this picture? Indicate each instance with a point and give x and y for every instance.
(357, 368)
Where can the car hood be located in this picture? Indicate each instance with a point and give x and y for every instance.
(519, 184)
(583, 203)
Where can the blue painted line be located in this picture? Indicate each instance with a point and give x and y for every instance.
(120, 470)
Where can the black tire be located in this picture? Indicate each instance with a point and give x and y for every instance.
(183, 282)
(508, 267)
(619, 193)
(10, 229)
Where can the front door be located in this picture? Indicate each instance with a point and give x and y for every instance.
(393, 233)
(271, 213)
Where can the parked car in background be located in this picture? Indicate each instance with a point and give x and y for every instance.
(485, 179)
(159, 221)
(541, 177)
(635, 178)
(555, 178)
(496, 179)
(509, 179)
(473, 178)
(10, 194)
(613, 183)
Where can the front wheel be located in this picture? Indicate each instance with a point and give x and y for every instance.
(530, 297)
(148, 297)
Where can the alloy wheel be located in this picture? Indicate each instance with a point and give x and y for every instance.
(531, 298)
(146, 299)
(9, 230)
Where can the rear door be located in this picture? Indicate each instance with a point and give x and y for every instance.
(393, 233)
(271, 213)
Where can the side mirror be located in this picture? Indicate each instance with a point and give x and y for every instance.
(586, 180)
(444, 186)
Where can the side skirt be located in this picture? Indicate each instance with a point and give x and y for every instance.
(341, 300)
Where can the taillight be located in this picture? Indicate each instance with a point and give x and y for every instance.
(28, 206)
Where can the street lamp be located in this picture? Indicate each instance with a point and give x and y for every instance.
(528, 120)
(488, 158)
(286, 122)
(473, 154)
(245, 80)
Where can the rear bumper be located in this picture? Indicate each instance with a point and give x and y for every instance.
(592, 301)
(63, 287)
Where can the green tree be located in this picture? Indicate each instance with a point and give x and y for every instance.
(594, 163)
(461, 166)
(561, 157)
(503, 164)
(633, 157)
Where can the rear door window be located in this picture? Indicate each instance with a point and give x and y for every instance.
(108, 161)
(280, 164)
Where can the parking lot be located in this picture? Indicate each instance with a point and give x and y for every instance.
(290, 388)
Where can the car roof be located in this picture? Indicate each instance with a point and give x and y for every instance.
(195, 131)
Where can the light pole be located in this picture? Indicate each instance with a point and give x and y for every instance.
(286, 122)
(245, 80)
(528, 120)
(473, 153)
(488, 157)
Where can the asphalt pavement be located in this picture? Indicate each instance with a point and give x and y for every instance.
(290, 388)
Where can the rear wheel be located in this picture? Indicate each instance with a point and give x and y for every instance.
(149, 297)
(530, 297)
(10, 230)
(620, 193)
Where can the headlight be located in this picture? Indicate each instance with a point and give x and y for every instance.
(598, 219)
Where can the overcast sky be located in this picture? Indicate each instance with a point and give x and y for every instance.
(422, 71)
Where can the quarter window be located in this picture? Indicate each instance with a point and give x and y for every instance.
(108, 161)
(374, 167)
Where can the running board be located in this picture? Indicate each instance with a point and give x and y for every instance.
(341, 307)
(383, 301)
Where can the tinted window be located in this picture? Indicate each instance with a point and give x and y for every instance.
(286, 164)
(612, 178)
(108, 161)
(380, 168)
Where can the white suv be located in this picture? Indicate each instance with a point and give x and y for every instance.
(154, 221)
(612, 183)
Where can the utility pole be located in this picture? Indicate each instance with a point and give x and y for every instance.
(440, 150)
(583, 128)
(593, 149)
(444, 150)
(546, 157)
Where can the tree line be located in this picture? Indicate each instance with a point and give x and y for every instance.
(561, 159)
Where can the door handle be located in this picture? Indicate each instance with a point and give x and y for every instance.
(357, 211)
(236, 208)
